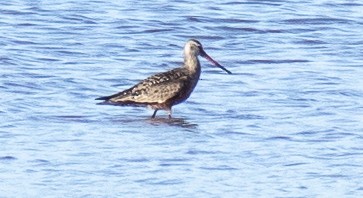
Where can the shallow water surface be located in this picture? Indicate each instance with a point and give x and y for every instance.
(286, 123)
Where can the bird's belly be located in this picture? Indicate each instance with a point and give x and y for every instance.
(183, 95)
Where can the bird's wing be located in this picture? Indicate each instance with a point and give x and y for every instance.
(155, 89)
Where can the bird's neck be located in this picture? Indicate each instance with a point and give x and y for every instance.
(191, 62)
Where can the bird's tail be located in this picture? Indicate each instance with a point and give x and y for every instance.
(119, 99)
(104, 98)
(117, 95)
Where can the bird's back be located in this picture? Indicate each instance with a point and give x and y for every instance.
(172, 86)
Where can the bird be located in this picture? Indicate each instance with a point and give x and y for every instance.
(164, 90)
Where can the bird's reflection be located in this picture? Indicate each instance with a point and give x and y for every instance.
(179, 122)
(140, 120)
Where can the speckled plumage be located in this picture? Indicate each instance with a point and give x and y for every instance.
(163, 90)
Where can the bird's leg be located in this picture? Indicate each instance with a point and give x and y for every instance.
(169, 113)
(154, 114)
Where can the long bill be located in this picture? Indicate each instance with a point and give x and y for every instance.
(206, 56)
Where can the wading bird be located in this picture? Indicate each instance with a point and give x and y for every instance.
(164, 90)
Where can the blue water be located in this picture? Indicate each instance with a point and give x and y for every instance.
(287, 123)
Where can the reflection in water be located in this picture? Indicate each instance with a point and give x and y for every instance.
(140, 120)
(179, 122)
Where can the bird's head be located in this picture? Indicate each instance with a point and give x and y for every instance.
(195, 48)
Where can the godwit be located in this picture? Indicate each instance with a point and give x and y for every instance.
(164, 90)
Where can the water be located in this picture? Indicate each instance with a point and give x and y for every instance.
(287, 123)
